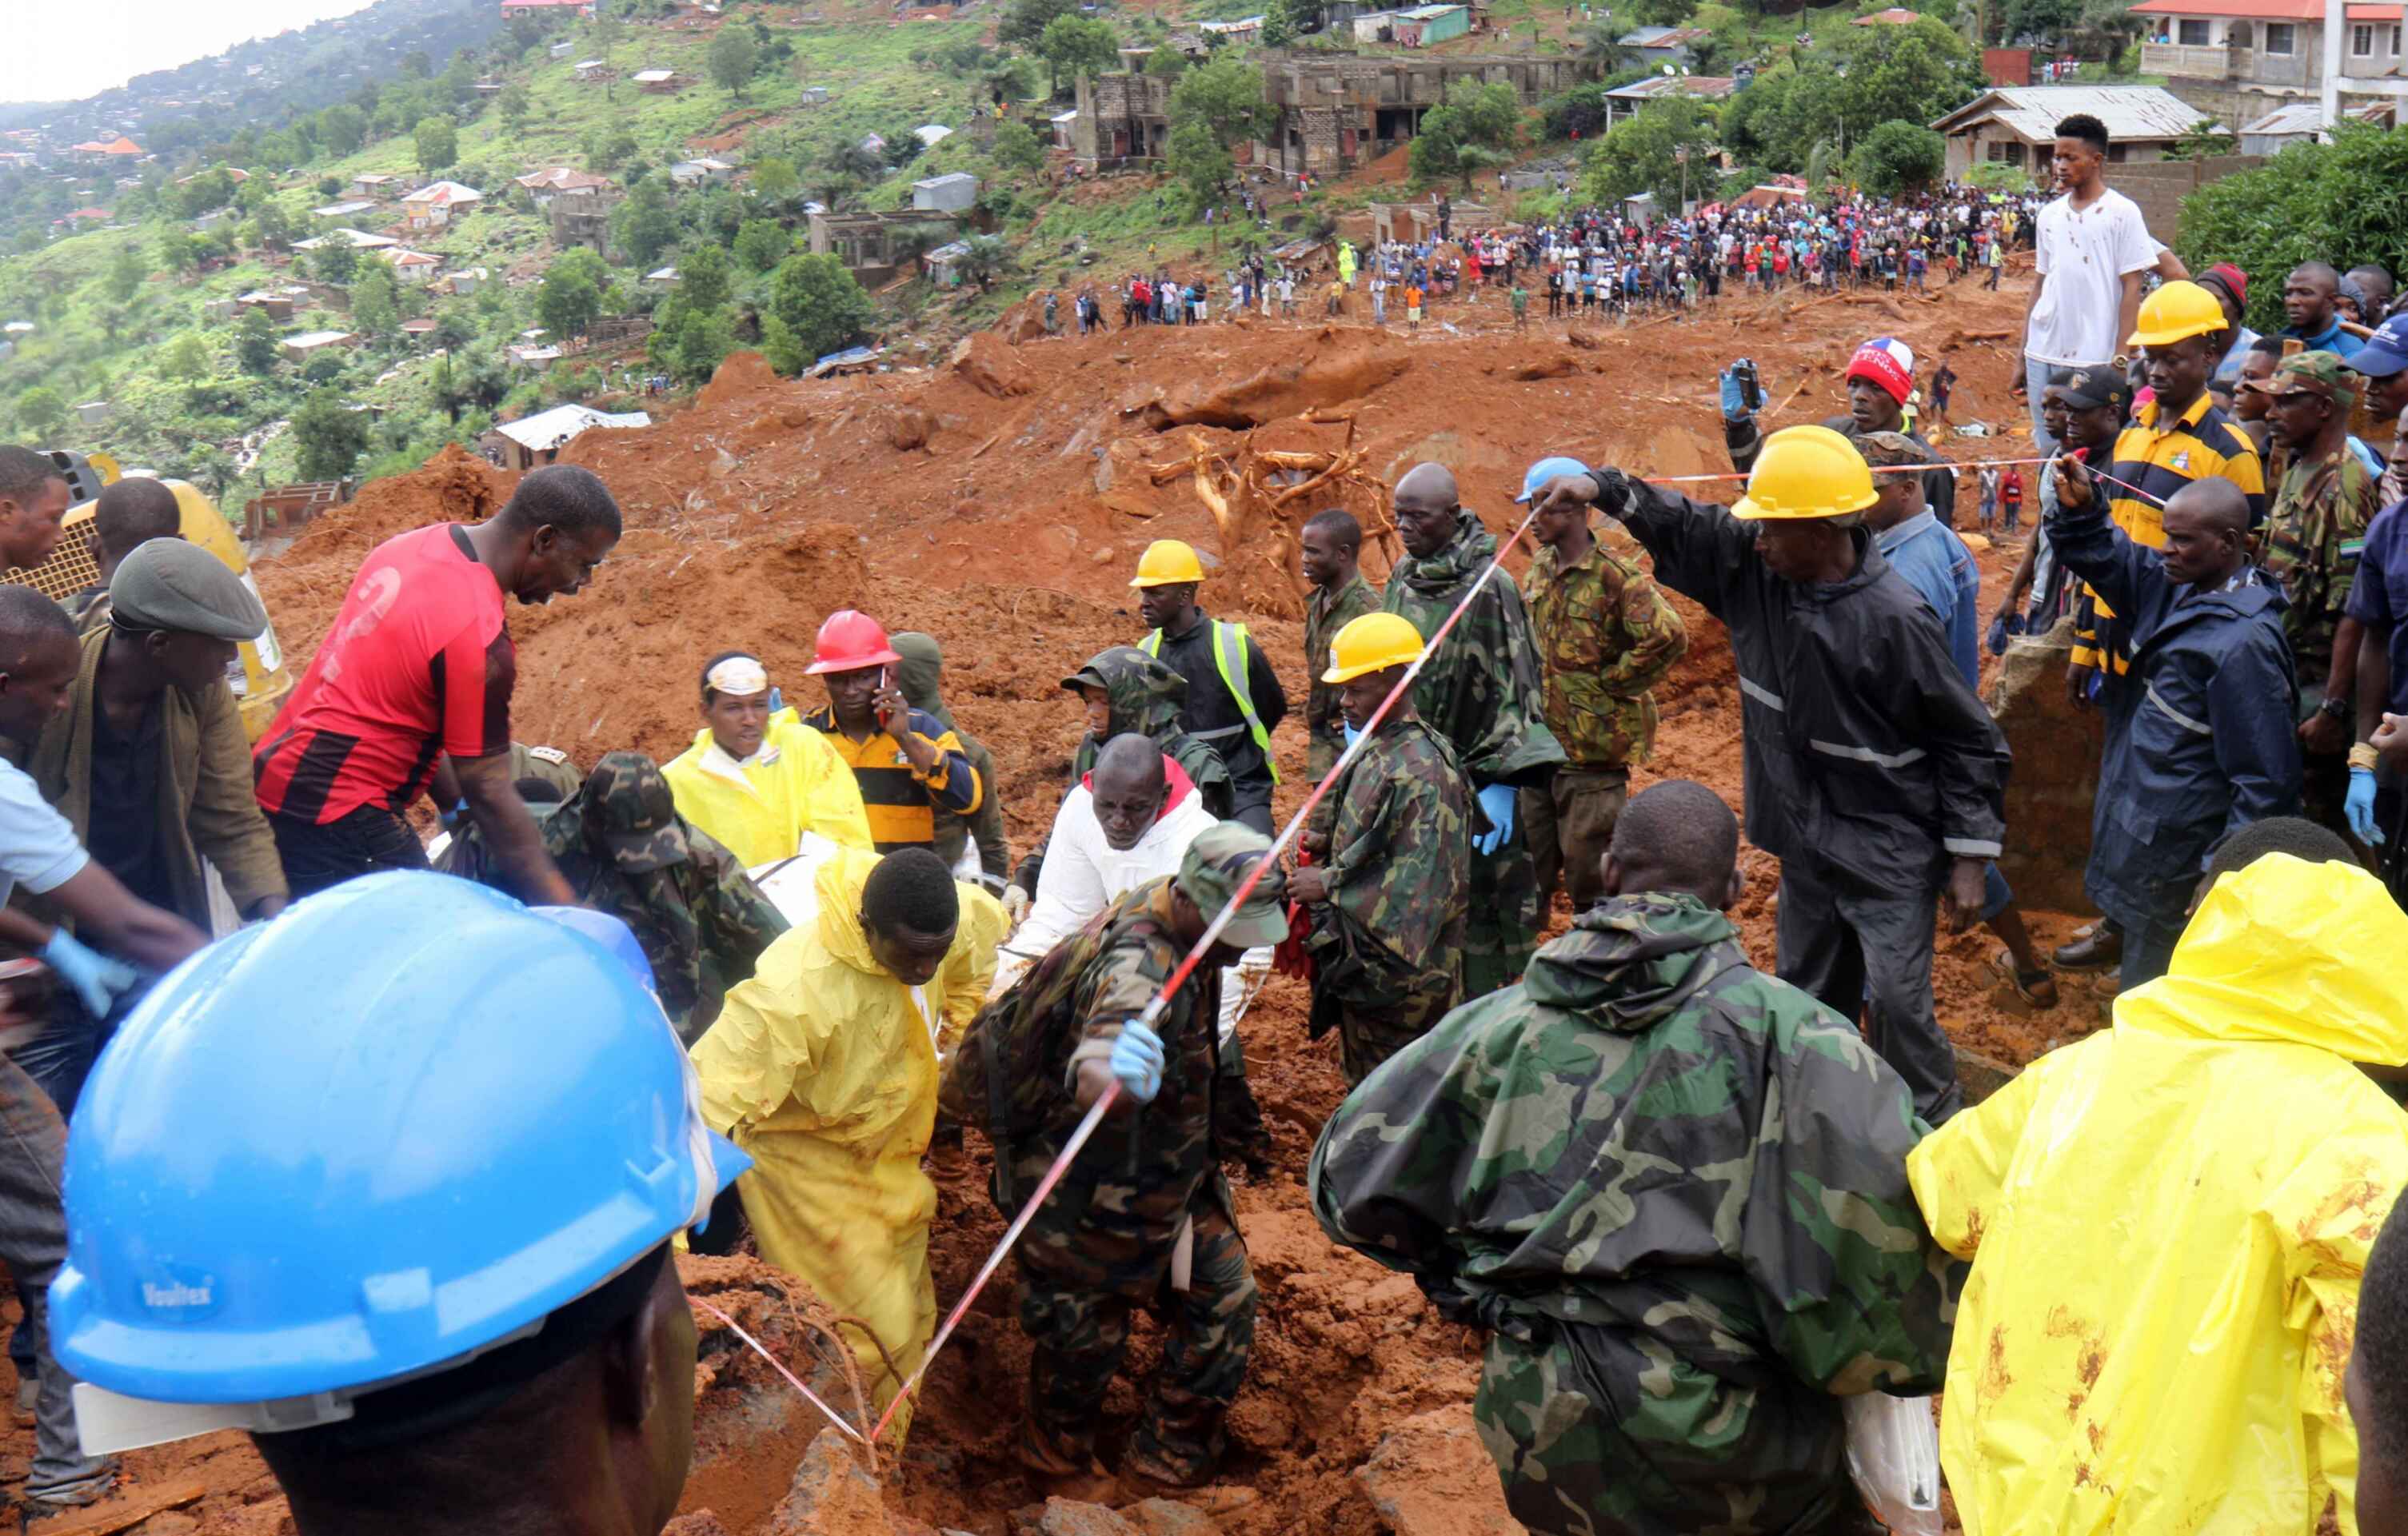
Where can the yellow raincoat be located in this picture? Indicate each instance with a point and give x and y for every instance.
(823, 1067)
(2168, 1222)
(761, 808)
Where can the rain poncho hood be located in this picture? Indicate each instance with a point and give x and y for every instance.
(1628, 965)
(2168, 1222)
(1465, 557)
(1146, 695)
(920, 673)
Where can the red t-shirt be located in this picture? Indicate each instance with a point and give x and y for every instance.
(419, 662)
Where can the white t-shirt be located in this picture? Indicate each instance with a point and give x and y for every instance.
(2085, 256)
(37, 847)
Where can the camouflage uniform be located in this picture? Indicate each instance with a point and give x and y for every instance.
(1327, 612)
(624, 850)
(1481, 692)
(1103, 1242)
(1387, 945)
(1606, 636)
(1674, 1191)
(1146, 697)
(918, 675)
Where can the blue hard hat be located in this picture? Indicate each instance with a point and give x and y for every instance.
(1545, 471)
(608, 932)
(399, 1124)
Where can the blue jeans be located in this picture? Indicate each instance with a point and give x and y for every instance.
(33, 1245)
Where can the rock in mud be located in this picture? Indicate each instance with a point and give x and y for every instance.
(1168, 1517)
(832, 1495)
(1430, 1476)
(910, 427)
(2057, 749)
(1070, 1517)
(986, 364)
(700, 1523)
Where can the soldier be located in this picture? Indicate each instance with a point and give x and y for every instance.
(625, 851)
(1481, 692)
(1676, 1367)
(1606, 637)
(1144, 1217)
(2313, 539)
(919, 674)
(1332, 543)
(1387, 898)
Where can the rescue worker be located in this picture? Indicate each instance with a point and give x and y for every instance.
(2167, 1221)
(2201, 735)
(823, 1068)
(125, 515)
(1234, 700)
(624, 849)
(1481, 693)
(760, 798)
(1387, 891)
(2312, 540)
(1606, 637)
(1675, 1365)
(907, 764)
(1877, 786)
(521, 1074)
(2376, 1384)
(34, 496)
(1144, 1217)
(920, 674)
(1880, 380)
(1332, 550)
(418, 661)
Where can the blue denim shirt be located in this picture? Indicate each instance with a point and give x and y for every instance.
(1938, 566)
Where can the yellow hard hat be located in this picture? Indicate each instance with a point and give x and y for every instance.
(2175, 311)
(1803, 472)
(1167, 562)
(1373, 643)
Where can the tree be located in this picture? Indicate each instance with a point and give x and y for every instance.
(436, 144)
(689, 341)
(331, 435)
(984, 257)
(821, 307)
(185, 359)
(2307, 203)
(515, 105)
(1226, 97)
(375, 300)
(1478, 127)
(774, 180)
(1663, 13)
(763, 243)
(273, 226)
(2200, 140)
(342, 128)
(1278, 23)
(1166, 62)
(1914, 73)
(255, 342)
(2040, 20)
(733, 57)
(1016, 148)
(41, 414)
(704, 275)
(1076, 45)
(643, 225)
(569, 298)
(1199, 162)
(1026, 20)
(178, 251)
(336, 260)
(126, 272)
(1646, 153)
(1899, 157)
(608, 148)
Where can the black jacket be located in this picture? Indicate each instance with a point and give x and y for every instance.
(1866, 752)
(1745, 441)
(1212, 716)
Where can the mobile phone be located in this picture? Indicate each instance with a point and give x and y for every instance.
(885, 680)
(1751, 388)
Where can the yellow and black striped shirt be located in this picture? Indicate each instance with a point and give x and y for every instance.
(901, 801)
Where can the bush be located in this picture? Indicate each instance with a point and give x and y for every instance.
(2337, 203)
(1899, 157)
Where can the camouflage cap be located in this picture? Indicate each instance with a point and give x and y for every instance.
(629, 810)
(1216, 863)
(2312, 373)
(1892, 448)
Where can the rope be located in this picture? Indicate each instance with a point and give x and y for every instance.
(792, 1380)
(1203, 946)
(2096, 473)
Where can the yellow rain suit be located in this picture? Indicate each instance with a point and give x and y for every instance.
(760, 807)
(2167, 1222)
(823, 1067)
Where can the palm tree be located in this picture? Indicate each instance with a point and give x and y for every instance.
(1602, 46)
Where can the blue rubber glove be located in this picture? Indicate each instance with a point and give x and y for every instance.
(98, 980)
(1497, 802)
(1734, 401)
(1999, 635)
(1137, 1061)
(777, 699)
(2360, 807)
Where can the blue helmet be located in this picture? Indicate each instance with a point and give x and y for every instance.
(394, 1129)
(1544, 470)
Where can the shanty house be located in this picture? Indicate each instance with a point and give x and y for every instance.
(279, 305)
(542, 187)
(1659, 45)
(702, 172)
(375, 184)
(434, 206)
(413, 265)
(308, 344)
(659, 82)
(538, 439)
(1425, 25)
(2016, 125)
(952, 192)
(347, 209)
(1624, 102)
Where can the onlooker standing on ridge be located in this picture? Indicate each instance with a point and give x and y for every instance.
(2090, 254)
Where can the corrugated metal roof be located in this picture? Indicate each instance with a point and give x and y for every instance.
(1654, 86)
(2033, 112)
(2300, 116)
(551, 428)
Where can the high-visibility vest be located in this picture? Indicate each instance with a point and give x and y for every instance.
(1229, 659)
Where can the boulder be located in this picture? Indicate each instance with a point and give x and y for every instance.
(1430, 1476)
(984, 362)
(832, 1494)
(2055, 775)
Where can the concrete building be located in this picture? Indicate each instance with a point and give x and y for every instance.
(952, 192)
(546, 186)
(437, 203)
(702, 172)
(415, 266)
(308, 344)
(2017, 127)
(2237, 59)
(376, 185)
(878, 247)
(1658, 45)
(1624, 101)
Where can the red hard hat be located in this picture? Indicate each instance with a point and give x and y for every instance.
(848, 641)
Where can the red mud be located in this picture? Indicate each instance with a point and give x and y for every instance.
(1009, 530)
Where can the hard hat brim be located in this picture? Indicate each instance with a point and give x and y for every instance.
(1348, 674)
(853, 663)
(1195, 579)
(2171, 334)
(1749, 510)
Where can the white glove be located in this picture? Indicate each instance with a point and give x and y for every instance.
(1016, 903)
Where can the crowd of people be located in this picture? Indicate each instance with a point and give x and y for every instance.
(393, 1179)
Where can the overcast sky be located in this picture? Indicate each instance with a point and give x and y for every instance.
(66, 49)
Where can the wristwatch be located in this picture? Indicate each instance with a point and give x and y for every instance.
(2337, 708)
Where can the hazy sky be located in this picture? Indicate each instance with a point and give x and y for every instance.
(66, 49)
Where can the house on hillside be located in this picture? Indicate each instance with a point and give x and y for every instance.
(952, 192)
(278, 305)
(419, 329)
(2016, 125)
(94, 412)
(813, 95)
(308, 344)
(514, 9)
(358, 239)
(945, 263)
(464, 282)
(593, 69)
(1624, 101)
(1245, 29)
(1897, 16)
(106, 151)
(538, 439)
(660, 82)
(1655, 47)
(1065, 126)
(702, 172)
(435, 204)
(546, 186)
(413, 265)
(2220, 50)
(1425, 25)
(349, 208)
(376, 185)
